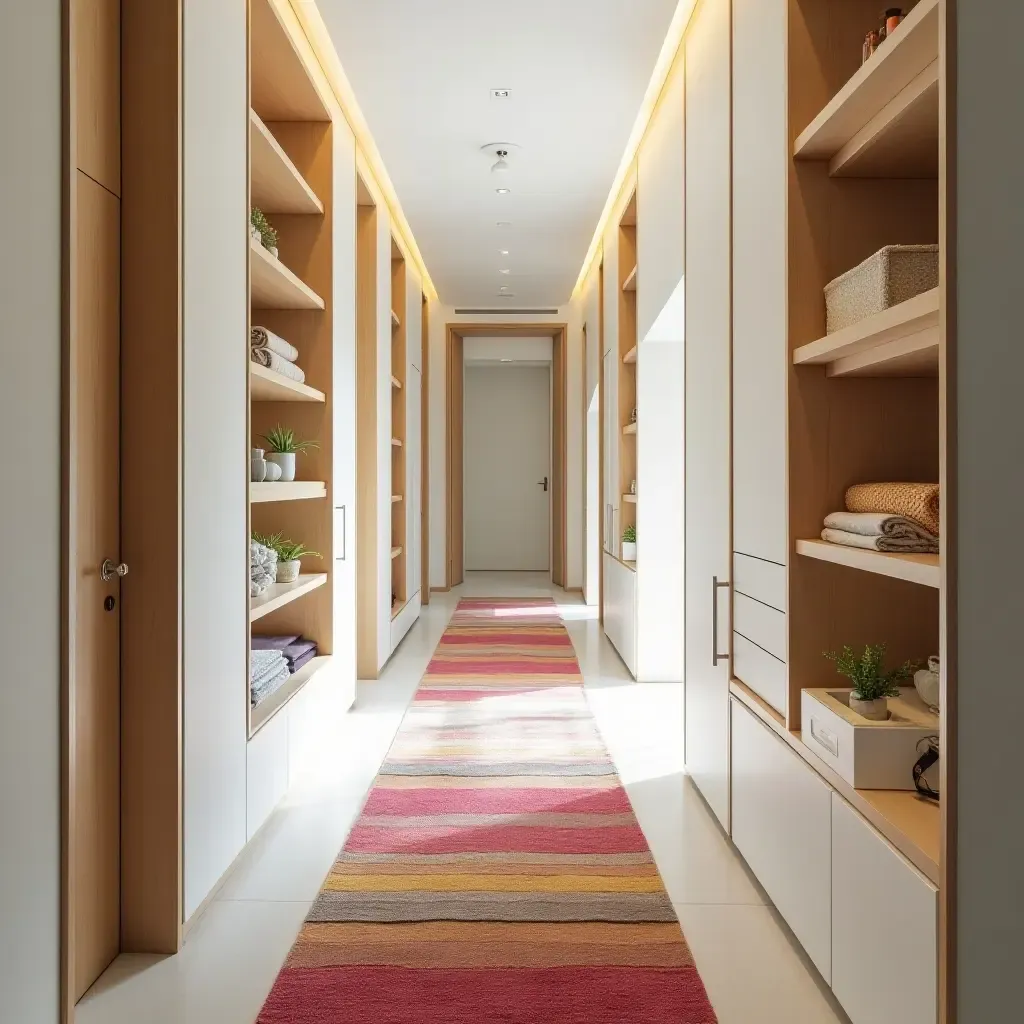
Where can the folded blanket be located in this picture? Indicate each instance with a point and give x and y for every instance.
(879, 524)
(919, 502)
(277, 363)
(272, 643)
(261, 338)
(903, 545)
(303, 659)
(259, 694)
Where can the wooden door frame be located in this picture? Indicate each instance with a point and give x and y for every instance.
(454, 521)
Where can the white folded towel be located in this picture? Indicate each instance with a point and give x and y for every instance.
(277, 363)
(903, 545)
(879, 524)
(262, 337)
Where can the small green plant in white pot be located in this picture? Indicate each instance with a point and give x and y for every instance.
(282, 448)
(261, 226)
(629, 544)
(871, 683)
(289, 555)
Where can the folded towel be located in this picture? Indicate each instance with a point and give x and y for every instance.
(261, 338)
(272, 643)
(264, 665)
(262, 568)
(298, 649)
(277, 363)
(259, 694)
(903, 545)
(879, 524)
(302, 660)
(919, 502)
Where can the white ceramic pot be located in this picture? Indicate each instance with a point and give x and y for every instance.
(257, 470)
(926, 682)
(273, 471)
(272, 249)
(288, 572)
(872, 710)
(628, 551)
(286, 460)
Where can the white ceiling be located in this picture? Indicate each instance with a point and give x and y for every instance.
(577, 70)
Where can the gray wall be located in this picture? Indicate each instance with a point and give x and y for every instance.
(30, 282)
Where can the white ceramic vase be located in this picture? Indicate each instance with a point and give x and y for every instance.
(288, 572)
(286, 460)
(872, 710)
(629, 551)
(273, 472)
(926, 682)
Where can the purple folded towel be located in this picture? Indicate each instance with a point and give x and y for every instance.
(301, 660)
(272, 643)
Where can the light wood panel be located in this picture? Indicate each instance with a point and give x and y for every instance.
(151, 496)
(298, 490)
(629, 285)
(274, 286)
(630, 356)
(279, 594)
(276, 185)
(425, 454)
(923, 569)
(96, 61)
(267, 386)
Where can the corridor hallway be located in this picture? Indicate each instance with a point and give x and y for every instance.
(749, 964)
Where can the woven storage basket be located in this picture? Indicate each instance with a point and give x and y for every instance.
(893, 275)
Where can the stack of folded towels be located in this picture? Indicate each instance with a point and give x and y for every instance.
(267, 349)
(895, 517)
(268, 672)
(296, 650)
(262, 568)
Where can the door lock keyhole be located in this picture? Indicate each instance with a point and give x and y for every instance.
(108, 603)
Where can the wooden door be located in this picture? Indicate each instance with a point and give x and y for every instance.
(707, 459)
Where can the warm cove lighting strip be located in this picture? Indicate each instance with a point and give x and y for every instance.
(662, 69)
(312, 23)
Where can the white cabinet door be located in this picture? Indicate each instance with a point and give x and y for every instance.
(708, 316)
(760, 167)
(620, 609)
(884, 927)
(413, 458)
(781, 823)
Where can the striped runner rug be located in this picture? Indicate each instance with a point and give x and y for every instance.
(497, 872)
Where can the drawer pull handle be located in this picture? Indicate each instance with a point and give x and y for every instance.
(716, 585)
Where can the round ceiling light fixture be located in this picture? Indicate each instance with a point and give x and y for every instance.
(501, 167)
(503, 252)
(500, 151)
(503, 191)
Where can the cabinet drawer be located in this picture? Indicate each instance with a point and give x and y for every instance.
(781, 823)
(620, 609)
(761, 580)
(884, 927)
(765, 675)
(266, 772)
(760, 624)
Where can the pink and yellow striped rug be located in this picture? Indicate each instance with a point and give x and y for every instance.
(497, 872)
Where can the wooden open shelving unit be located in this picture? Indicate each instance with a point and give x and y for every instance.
(291, 180)
(399, 518)
(627, 365)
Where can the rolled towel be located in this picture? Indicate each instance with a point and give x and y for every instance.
(919, 502)
(901, 545)
(262, 338)
(879, 524)
(277, 363)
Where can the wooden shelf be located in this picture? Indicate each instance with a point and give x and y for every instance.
(629, 499)
(630, 356)
(296, 490)
(902, 341)
(395, 552)
(395, 443)
(267, 386)
(885, 121)
(279, 594)
(273, 286)
(911, 823)
(395, 322)
(397, 607)
(265, 711)
(629, 428)
(396, 498)
(282, 89)
(921, 569)
(276, 186)
(629, 285)
(396, 383)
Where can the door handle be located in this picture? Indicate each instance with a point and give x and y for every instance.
(110, 570)
(716, 585)
(543, 483)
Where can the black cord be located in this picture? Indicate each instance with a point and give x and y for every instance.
(924, 762)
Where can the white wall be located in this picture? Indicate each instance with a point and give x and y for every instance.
(216, 613)
(440, 317)
(508, 350)
(30, 343)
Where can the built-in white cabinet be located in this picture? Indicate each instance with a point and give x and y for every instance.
(884, 927)
(620, 609)
(707, 403)
(781, 823)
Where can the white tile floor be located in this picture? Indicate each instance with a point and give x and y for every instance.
(751, 966)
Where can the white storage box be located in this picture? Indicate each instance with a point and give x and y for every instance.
(893, 275)
(869, 755)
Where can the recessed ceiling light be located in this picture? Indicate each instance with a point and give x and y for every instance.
(504, 223)
(506, 360)
(504, 271)
(503, 252)
(503, 191)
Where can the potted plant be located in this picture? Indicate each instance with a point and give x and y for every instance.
(629, 544)
(283, 447)
(289, 555)
(871, 683)
(261, 226)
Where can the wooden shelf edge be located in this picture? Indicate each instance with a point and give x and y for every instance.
(260, 715)
(630, 357)
(395, 552)
(398, 607)
(629, 428)
(268, 386)
(298, 490)
(396, 383)
(629, 285)
(396, 443)
(629, 499)
(908, 821)
(304, 199)
(395, 322)
(921, 569)
(264, 268)
(281, 594)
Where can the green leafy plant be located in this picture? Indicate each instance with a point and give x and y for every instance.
(870, 680)
(629, 535)
(287, 550)
(282, 440)
(259, 221)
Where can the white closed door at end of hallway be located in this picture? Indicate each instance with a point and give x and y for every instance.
(507, 469)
